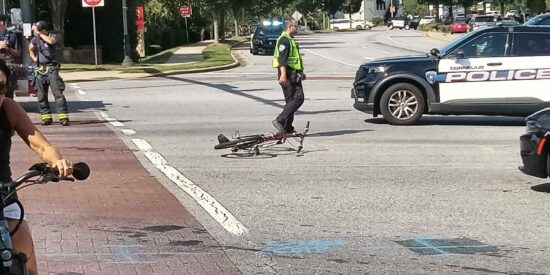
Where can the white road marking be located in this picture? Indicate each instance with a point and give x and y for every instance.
(128, 131)
(368, 58)
(81, 92)
(331, 59)
(111, 120)
(205, 200)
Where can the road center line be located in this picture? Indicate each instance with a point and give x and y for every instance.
(205, 200)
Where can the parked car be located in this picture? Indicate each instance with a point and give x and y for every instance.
(460, 25)
(342, 24)
(427, 20)
(493, 71)
(482, 21)
(397, 22)
(535, 146)
(264, 39)
(412, 24)
(512, 13)
(494, 14)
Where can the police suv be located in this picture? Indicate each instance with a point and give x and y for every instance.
(493, 71)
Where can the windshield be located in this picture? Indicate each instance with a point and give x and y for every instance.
(535, 20)
(484, 19)
(461, 20)
(446, 48)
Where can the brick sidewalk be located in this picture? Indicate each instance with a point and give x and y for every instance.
(120, 221)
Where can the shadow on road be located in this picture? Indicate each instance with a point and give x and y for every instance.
(461, 121)
(544, 188)
(74, 106)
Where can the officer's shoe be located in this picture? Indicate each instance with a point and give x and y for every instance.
(64, 122)
(46, 122)
(279, 126)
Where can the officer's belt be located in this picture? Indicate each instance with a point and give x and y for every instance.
(46, 68)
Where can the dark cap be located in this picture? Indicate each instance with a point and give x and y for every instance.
(3, 17)
(42, 25)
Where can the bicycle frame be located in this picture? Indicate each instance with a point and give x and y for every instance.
(254, 142)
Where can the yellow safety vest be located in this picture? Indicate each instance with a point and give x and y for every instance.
(294, 57)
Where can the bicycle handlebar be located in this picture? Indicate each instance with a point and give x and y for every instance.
(81, 171)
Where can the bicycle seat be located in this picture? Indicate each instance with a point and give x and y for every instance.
(222, 139)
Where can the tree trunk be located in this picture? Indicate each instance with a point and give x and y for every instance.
(305, 22)
(215, 23)
(58, 8)
(436, 7)
(222, 25)
(451, 12)
(237, 33)
(501, 8)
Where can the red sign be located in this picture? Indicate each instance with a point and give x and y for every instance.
(93, 3)
(140, 18)
(186, 11)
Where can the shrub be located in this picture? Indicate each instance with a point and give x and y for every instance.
(444, 28)
(378, 21)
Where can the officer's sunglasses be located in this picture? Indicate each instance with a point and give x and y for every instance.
(3, 88)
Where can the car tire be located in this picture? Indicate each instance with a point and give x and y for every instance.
(391, 27)
(335, 28)
(359, 27)
(254, 51)
(402, 104)
(407, 27)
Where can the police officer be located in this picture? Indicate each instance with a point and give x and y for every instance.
(9, 52)
(288, 62)
(42, 50)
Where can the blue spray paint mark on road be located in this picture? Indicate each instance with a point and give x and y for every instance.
(426, 243)
(300, 247)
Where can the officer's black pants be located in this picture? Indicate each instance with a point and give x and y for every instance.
(42, 83)
(294, 97)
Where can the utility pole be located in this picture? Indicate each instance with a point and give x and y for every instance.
(2, 7)
(26, 16)
(127, 60)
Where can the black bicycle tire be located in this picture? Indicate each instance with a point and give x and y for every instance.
(239, 141)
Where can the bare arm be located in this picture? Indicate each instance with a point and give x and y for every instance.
(31, 52)
(24, 127)
(48, 39)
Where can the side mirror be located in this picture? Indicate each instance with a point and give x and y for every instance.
(434, 52)
(460, 54)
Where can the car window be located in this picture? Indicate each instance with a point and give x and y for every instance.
(486, 45)
(461, 20)
(544, 22)
(536, 20)
(531, 44)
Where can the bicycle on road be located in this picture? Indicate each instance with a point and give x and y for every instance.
(252, 143)
(40, 173)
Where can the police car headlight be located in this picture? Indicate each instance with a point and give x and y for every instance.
(533, 126)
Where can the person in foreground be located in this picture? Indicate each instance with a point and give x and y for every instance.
(13, 119)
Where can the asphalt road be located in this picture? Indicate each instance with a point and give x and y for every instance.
(443, 196)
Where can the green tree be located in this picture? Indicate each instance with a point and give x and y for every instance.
(350, 7)
(414, 8)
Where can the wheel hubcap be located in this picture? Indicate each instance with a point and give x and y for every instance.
(403, 105)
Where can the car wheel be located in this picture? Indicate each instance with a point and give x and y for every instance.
(359, 27)
(391, 27)
(254, 51)
(335, 28)
(402, 104)
(407, 27)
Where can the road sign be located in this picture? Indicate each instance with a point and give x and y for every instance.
(93, 3)
(186, 11)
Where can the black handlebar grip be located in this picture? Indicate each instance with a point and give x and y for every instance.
(81, 171)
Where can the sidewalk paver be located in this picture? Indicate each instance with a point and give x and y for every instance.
(188, 53)
(119, 221)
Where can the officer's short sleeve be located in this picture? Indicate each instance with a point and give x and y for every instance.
(34, 41)
(284, 50)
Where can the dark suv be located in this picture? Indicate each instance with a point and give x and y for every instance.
(494, 71)
(264, 39)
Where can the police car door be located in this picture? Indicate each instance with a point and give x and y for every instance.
(530, 62)
(467, 75)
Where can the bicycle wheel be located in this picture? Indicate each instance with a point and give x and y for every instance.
(242, 142)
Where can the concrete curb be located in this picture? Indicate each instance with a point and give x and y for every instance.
(235, 64)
